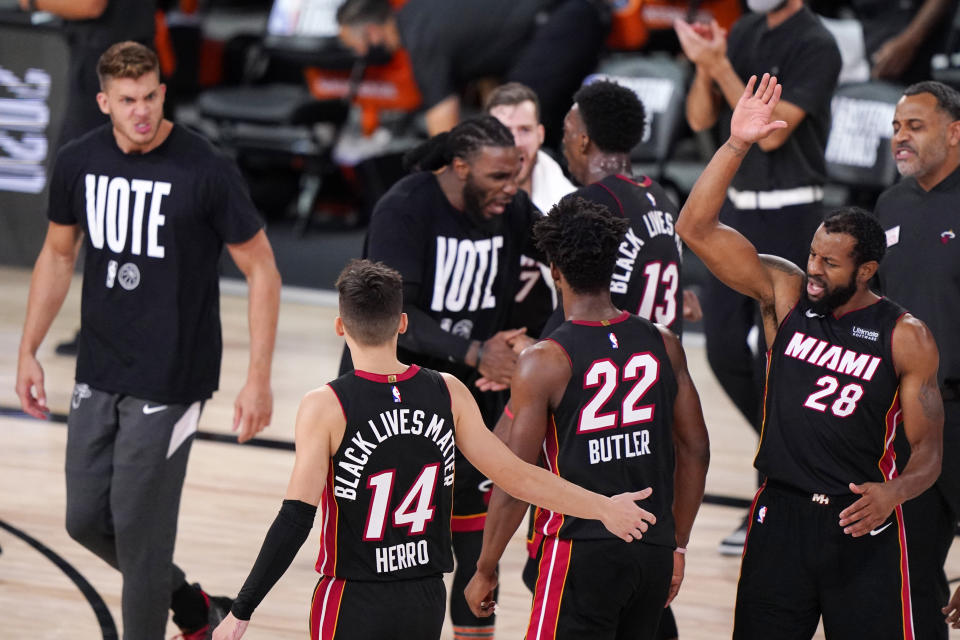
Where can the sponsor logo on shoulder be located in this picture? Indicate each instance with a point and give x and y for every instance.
(80, 391)
(879, 530)
(148, 410)
(866, 334)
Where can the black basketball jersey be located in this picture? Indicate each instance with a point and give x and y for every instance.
(831, 399)
(389, 491)
(613, 429)
(646, 278)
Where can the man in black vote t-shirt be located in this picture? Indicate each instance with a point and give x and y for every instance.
(156, 204)
(776, 199)
(922, 271)
(456, 237)
(548, 45)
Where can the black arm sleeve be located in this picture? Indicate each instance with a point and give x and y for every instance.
(286, 535)
(424, 334)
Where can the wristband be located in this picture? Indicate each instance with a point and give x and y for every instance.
(680, 550)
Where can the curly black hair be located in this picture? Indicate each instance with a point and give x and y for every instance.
(581, 238)
(461, 141)
(613, 115)
(859, 223)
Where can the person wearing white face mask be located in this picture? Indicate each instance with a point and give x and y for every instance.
(775, 200)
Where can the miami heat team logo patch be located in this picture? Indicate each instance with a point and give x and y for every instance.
(761, 514)
(614, 344)
(947, 236)
(396, 394)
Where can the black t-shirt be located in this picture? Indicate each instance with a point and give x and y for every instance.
(154, 225)
(465, 277)
(389, 495)
(805, 58)
(921, 268)
(885, 19)
(613, 428)
(831, 406)
(121, 20)
(451, 43)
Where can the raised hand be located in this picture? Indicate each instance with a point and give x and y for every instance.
(751, 117)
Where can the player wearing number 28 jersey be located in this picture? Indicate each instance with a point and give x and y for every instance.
(845, 369)
(376, 446)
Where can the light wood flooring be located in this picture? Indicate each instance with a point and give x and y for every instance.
(233, 492)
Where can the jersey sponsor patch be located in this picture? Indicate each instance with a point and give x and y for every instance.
(893, 235)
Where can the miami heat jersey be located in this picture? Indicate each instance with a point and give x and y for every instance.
(646, 278)
(613, 429)
(389, 492)
(831, 400)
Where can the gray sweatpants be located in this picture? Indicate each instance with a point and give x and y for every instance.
(125, 466)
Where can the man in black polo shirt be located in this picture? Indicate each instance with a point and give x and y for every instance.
(922, 271)
(775, 199)
(548, 45)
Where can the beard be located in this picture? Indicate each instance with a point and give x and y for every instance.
(473, 207)
(831, 299)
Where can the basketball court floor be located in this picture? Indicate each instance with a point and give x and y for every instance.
(51, 588)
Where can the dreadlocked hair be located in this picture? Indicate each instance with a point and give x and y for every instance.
(461, 141)
(581, 238)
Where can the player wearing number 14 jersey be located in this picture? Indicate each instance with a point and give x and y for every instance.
(608, 401)
(845, 368)
(376, 445)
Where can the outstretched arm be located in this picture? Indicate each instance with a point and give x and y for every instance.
(319, 429)
(772, 281)
(48, 288)
(915, 354)
(692, 449)
(254, 404)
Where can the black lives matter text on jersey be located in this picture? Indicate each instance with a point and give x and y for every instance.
(392, 423)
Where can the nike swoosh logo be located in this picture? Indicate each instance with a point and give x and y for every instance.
(147, 409)
(879, 530)
(811, 314)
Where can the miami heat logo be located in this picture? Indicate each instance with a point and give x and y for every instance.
(947, 236)
(613, 340)
(396, 394)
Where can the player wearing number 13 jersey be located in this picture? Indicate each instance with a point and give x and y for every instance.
(844, 369)
(376, 445)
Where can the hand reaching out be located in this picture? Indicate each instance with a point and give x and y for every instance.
(751, 117)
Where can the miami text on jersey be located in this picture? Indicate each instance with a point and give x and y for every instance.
(830, 356)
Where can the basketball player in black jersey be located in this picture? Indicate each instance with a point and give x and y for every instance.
(376, 445)
(844, 365)
(608, 401)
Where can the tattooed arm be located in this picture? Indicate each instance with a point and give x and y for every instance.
(916, 358)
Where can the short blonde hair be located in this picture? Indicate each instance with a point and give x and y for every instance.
(126, 60)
